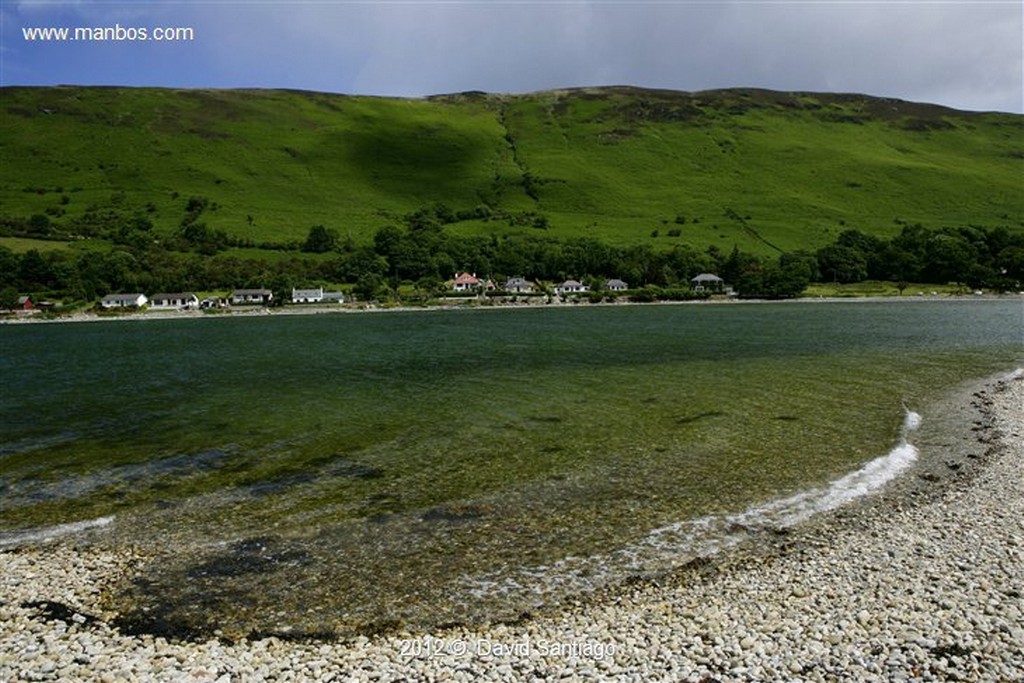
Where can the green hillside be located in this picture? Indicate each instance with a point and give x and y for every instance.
(766, 171)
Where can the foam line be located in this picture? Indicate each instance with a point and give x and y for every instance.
(51, 532)
(706, 536)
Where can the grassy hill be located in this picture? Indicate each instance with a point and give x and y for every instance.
(763, 170)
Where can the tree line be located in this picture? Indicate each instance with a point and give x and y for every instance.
(420, 254)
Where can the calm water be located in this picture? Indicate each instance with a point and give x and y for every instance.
(329, 473)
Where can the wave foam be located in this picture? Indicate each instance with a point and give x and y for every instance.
(868, 479)
(8, 539)
(682, 541)
(1013, 376)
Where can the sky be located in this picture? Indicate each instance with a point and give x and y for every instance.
(966, 54)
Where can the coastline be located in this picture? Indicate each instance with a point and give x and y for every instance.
(923, 581)
(461, 305)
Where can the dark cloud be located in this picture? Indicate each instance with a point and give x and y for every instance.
(966, 55)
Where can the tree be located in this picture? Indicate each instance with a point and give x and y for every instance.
(8, 266)
(429, 286)
(898, 264)
(34, 272)
(948, 258)
(733, 266)
(320, 240)
(118, 271)
(8, 298)
(39, 223)
(786, 279)
(842, 264)
(1010, 262)
(869, 247)
(802, 263)
(369, 286)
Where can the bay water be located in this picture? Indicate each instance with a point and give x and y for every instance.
(331, 474)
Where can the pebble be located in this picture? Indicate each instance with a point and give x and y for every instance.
(917, 591)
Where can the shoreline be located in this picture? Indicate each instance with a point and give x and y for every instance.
(464, 305)
(921, 581)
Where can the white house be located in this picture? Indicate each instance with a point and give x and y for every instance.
(307, 296)
(518, 285)
(256, 297)
(571, 287)
(174, 301)
(124, 301)
(615, 285)
(706, 282)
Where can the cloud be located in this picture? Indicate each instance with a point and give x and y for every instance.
(965, 55)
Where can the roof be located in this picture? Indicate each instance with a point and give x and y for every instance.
(466, 279)
(174, 295)
(614, 282)
(318, 291)
(123, 297)
(571, 283)
(251, 292)
(706, 277)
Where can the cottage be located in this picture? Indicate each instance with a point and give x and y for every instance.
(124, 301)
(24, 304)
(518, 285)
(571, 287)
(334, 297)
(615, 285)
(175, 301)
(307, 296)
(465, 282)
(252, 297)
(706, 282)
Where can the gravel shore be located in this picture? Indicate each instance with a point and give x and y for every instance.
(925, 587)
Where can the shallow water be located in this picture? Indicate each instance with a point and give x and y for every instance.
(336, 473)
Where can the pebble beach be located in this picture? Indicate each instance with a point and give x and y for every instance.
(927, 586)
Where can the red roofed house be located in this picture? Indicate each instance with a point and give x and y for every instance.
(465, 282)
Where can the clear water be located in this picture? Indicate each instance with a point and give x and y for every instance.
(342, 472)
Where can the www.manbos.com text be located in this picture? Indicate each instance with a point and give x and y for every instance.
(115, 33)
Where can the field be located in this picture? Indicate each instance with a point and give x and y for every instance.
(766, 171)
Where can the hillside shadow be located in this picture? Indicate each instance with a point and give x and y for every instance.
(403, 158)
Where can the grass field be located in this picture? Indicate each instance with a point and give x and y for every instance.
(761, 170)
(19, 245)
(875, 288)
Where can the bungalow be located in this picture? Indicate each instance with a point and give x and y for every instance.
(465, 282)
(307, 296)
(615, 285)
(254, 297)
(175, 300)
(706, 282)
(518, 285)
(571, 287)
(124, 301)
(334, 297)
